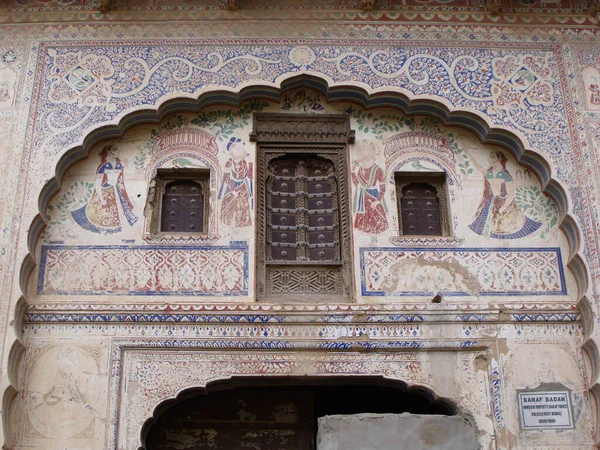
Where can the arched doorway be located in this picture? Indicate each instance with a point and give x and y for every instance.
(277, 413)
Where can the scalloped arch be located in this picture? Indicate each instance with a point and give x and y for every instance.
(392, 97)
(223, 384)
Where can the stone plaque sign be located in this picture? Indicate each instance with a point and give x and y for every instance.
(545, 410)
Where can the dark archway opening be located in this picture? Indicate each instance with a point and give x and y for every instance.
(276, 413)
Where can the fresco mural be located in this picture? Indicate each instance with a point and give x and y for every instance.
(8, 79)
(147, 270)
(506, 247)
(498, 215)
(236, 193)
(109, 206)
(302, 101)
(589, 65)
(512, 87)
(489, 201)
(591, 82)
(410, 272)
(369, 180)
(63, 392)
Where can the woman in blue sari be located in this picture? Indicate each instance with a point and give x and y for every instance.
(498, 216)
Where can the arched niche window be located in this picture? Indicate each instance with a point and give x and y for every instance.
(183, 207)
(422, 204)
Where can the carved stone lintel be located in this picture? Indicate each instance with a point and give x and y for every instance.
(367, 5)
(494, 7)
(105, 6)
(231, 5)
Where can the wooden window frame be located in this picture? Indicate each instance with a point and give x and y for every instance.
(300, 136)
(166, 176)
(439, 182)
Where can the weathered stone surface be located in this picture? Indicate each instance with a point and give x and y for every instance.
(396, 432)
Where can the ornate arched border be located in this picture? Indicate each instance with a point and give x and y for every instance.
(367, 98)
(160, 378)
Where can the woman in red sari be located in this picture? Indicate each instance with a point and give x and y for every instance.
(369, 181)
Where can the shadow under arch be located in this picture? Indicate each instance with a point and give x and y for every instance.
(382, 97)
(367, 394)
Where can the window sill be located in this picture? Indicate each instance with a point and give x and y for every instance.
(304, 263)
(180, 238)
(426, 241)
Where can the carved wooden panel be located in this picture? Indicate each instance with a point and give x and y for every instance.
(301, 128)
(297, 280)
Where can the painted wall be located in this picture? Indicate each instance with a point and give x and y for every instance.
(504, 239)
(93, 355)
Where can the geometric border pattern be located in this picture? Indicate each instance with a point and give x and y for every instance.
(534, 260)
(144, 270)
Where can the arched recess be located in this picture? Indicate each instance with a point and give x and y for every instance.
(368, 99)
(312, 397)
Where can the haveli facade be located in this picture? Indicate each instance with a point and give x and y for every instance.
(108, 316)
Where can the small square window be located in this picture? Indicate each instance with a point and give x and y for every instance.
(183, 202)
(422, 204)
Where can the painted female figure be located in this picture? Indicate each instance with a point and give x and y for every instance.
(109, 202)
(498, 215)
(369, 179)
(236, 188)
